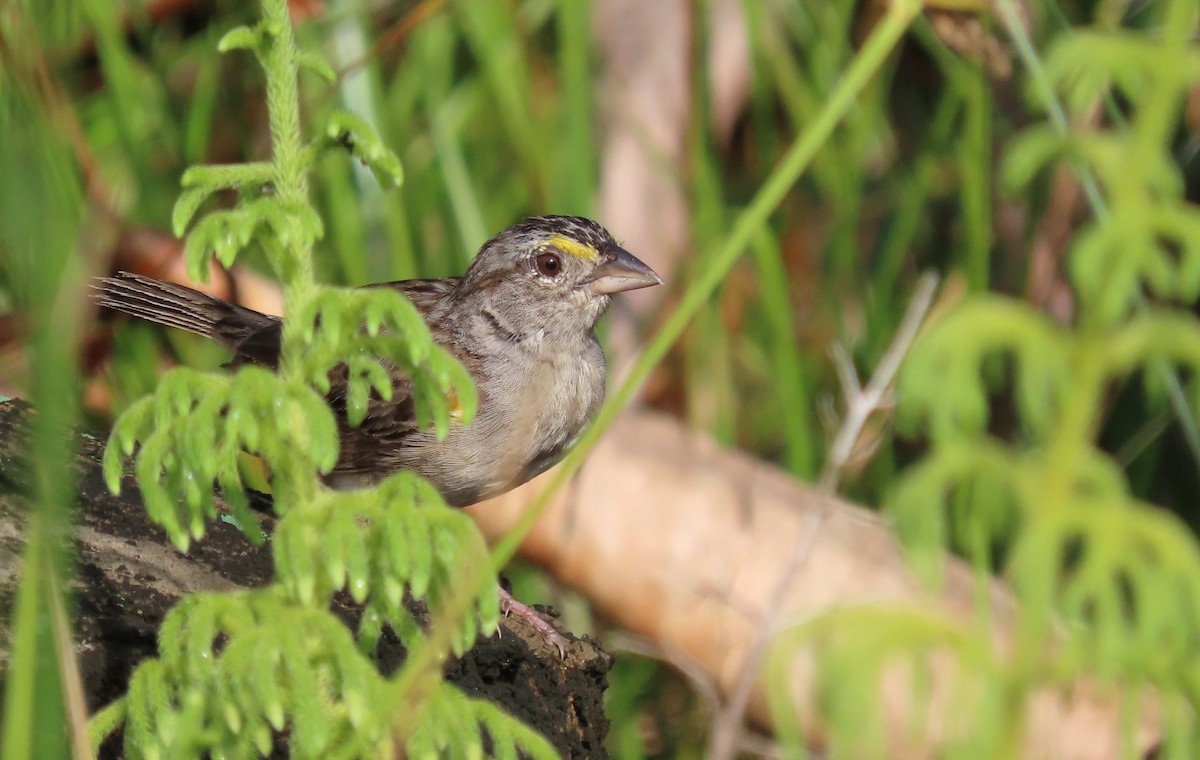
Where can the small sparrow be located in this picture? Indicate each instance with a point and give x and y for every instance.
(521, 321)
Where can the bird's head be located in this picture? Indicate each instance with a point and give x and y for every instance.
(553, 273)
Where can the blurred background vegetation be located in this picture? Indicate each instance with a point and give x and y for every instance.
(504, 109)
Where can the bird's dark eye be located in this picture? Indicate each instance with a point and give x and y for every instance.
(548, 264)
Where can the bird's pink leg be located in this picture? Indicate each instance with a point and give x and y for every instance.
(510, 606)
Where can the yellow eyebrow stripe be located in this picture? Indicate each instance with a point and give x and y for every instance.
(574, 248)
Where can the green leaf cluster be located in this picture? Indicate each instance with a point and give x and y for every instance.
(238, 670)
(380, 549)
(365, 334)
(453, 726)
(193, 430)
(908, 647)
(200, 695)
(1147, 238)
(273, 209)
(260, 216)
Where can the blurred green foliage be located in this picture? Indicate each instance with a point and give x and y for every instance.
(42, 272)
(1013, 404)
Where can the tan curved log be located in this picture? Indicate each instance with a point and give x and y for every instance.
(688, 544)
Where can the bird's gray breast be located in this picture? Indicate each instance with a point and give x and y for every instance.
(534, 401)
(567, 388)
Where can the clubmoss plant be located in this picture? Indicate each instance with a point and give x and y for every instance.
(234, 669)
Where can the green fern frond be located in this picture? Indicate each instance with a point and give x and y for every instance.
(227, 681)
(929, 504)
(349, 131)
(945, 390)
(1127, 585)
(1086, 65)
(233, 684)
(866, 653)
(377, 545)
(454, 725)
(372, 331)
(1106, 585)
(192, 431)
(1173, 336)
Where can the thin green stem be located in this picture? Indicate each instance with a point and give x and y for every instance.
(975, 162)
(291, 173)
(1076, 429)
(792, 384)
(283, 104)
(798, 157)
(1057, 482)
(576, 178)
(20, 693)
(424, 662)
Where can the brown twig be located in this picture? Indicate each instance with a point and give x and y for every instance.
(862, 402)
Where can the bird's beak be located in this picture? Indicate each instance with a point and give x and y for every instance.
(618, 271)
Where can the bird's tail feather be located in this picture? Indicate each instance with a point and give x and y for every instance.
(166, 303)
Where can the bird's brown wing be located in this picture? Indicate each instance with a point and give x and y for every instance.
(426, 295)
(385, 428)
(261, 346)
(369, 450)
(255, 338)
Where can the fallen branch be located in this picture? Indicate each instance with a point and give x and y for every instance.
(686, 544)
